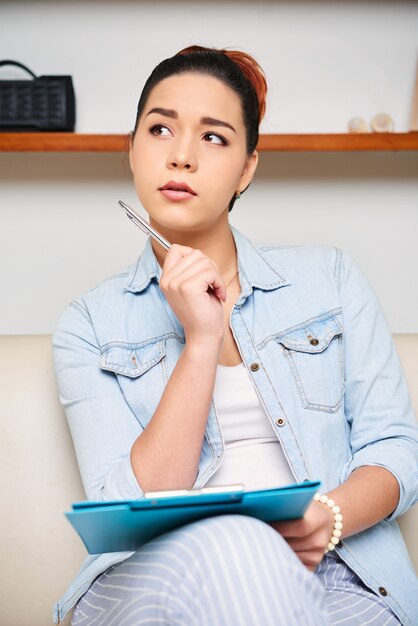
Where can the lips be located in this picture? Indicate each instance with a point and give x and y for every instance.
(172, 185)
(177, 191)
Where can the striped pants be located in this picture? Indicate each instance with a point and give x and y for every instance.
(229, 570)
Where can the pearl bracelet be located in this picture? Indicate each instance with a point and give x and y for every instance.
(338, 520)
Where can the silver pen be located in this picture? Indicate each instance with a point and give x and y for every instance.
(144, 226)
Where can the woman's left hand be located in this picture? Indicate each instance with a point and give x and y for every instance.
(308, 537)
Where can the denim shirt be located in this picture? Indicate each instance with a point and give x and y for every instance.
(316, 345)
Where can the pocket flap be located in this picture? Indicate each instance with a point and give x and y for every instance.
(130, 360)
(313, 337)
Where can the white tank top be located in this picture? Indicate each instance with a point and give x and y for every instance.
(253, 454)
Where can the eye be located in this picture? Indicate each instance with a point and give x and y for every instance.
(221, 140)
(157, 127)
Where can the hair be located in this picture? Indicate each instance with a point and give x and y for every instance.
(238, 70)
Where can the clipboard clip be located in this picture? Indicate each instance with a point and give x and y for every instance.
(191, 497)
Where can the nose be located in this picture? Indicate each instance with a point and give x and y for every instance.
(182, 156)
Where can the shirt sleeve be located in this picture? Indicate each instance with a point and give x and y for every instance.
(384, 430)
(102, 425)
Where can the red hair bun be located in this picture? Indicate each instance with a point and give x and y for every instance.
(249, 67)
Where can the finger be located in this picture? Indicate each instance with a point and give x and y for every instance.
(174, 255)
(309, 559)
(219, 287)
(314, 543)
(196, 278)
(194, 258)
(189, 260)
(292, 528)
(195, 265)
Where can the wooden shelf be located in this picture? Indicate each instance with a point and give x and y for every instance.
(62, 142)
(339, 142)
(76, 142)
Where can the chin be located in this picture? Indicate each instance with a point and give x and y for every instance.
(176, 216)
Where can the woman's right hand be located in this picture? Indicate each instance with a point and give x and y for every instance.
(185, 280)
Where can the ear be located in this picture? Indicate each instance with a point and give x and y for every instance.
(131, 146)
(249, 170)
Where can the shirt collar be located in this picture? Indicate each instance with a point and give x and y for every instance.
(255, 270)
(144, 270)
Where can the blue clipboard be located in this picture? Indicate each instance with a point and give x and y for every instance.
(126, 525)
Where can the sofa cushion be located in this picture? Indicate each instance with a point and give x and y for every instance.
(41, 553)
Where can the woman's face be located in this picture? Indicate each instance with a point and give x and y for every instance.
(191, 131)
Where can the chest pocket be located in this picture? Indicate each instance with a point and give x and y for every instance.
(314, 353)
(141, 375)
(129, 360)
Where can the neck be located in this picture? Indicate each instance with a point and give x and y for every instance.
(218, 245)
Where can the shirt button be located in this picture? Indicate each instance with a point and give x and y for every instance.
(314, 342)
(254, 367)
(280, 422)
(383, 591)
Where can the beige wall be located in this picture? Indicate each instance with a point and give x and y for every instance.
(60, 228)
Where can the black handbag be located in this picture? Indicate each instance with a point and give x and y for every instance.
(40, 103)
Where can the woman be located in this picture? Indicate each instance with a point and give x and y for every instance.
(222, 362)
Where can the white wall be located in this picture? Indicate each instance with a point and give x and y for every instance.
(325, 62)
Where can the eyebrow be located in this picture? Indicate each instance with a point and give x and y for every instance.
(211, 121)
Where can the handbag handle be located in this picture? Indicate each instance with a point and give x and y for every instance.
(17, 64)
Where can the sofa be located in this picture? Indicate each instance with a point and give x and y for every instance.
(39, 480)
